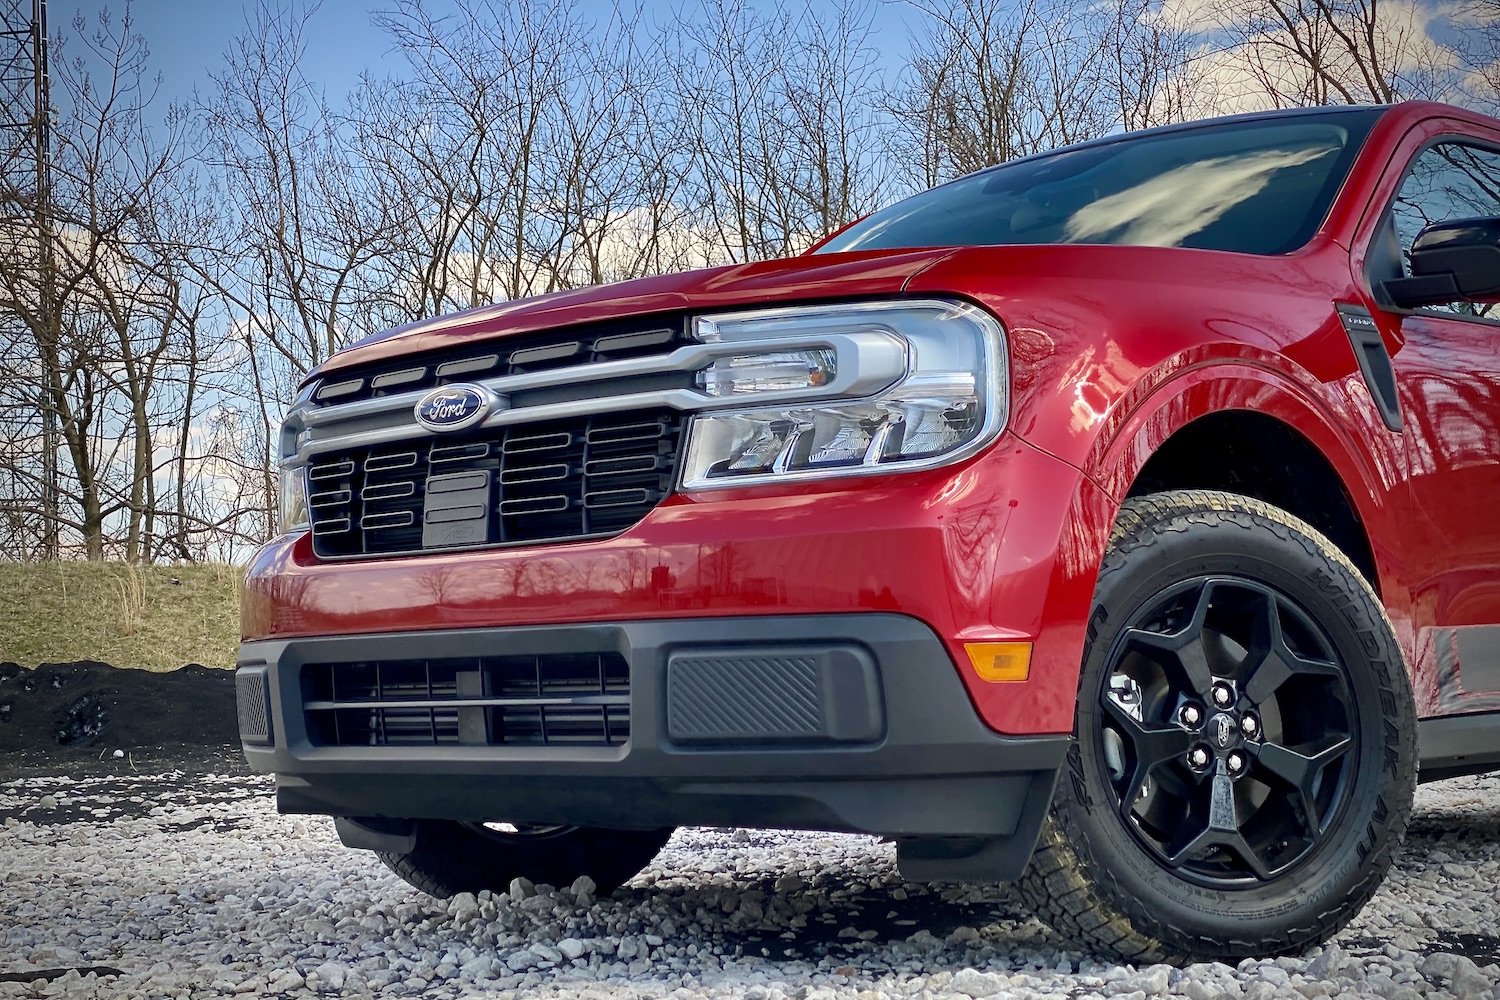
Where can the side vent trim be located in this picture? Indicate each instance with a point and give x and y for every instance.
(1374, 362)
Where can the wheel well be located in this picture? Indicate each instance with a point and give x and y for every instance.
(1239, 451)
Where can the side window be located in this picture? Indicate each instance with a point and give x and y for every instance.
(1448, 181)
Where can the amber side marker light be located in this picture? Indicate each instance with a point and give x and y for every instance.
(998, 662)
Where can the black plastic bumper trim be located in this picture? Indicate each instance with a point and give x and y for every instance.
(935, 770)
(371, 833)
(1455, 745)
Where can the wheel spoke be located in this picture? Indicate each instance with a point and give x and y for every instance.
(1182, 652)
(1152, 747)
(1236, 843)
(1274, 661)
(1190, 838)
(1300, 772)
(1219, 829)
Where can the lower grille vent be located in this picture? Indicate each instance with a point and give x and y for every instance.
(559, 699)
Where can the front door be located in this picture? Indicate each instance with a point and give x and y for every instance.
(1447, 369)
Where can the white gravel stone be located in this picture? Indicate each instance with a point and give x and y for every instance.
(285, 982)
(478, 967)
(463, 908)
(1467, 979)
(1196, 989)
(192, 886)
(1151, 981)
(973, 983)
(332, 974)
(1259, 989)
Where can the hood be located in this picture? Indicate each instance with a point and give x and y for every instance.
(794, 279)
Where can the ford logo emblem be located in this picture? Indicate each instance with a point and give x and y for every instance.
(453, 407)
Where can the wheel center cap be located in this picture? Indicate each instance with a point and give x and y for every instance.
(1222, 730)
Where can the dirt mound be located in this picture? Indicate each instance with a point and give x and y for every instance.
(88, 705)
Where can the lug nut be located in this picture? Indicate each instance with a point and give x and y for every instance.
(1236, 762)
(1198, 757)
(1249, 726)
(1190, 715)
(1223, 697)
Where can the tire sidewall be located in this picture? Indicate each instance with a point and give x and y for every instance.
(1356, 847)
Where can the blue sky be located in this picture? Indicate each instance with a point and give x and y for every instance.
(187, 38)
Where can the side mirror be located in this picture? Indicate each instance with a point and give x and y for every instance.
(1451, 262)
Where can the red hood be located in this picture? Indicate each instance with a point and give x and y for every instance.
(794, 279)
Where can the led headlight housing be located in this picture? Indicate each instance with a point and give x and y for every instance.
(293, 514)
(293, 500)
(947, 401)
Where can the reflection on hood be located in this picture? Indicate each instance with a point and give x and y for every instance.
(1168, 208)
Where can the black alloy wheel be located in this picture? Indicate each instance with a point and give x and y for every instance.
(1244, 753)
(1228, 723)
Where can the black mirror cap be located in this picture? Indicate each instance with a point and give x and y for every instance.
(1452, 261)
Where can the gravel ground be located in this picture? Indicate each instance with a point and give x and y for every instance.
(179, 884)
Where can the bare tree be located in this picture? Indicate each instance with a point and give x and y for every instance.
(725, 59)
(834, 90)
(779, 113)
(98, 313)
(475, 141)
(1152, 65)
(1308, 52)
(995, 80)
(278, 152)
(1478, 51)
(286, 262)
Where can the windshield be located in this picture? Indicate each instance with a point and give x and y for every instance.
(1260, 186)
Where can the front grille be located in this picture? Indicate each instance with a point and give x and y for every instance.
(557, 699)
(512, 356)
(527, 483)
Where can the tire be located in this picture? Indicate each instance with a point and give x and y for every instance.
(450, 857)
(1179, 830)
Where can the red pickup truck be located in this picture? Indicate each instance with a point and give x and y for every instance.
(1121, 520)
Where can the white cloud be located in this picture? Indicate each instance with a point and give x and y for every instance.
(1238, 69)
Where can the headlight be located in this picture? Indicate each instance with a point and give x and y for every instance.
(293, 500)
(950, 403)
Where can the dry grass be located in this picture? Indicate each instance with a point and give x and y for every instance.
(126, 616)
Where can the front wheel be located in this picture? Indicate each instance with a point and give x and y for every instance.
(1245, 746)
(451, 857)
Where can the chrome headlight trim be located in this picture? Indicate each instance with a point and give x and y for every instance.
(988, 379)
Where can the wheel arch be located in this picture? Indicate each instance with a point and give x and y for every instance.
(1156, 432)
(1251, 430)
(1256, 455)
(1138, 446)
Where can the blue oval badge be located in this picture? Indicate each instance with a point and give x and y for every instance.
(452, 407)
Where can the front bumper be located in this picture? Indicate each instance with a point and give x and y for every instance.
(887, 741)
(996, 549)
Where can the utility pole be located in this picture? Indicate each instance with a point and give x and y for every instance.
(26, 121)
